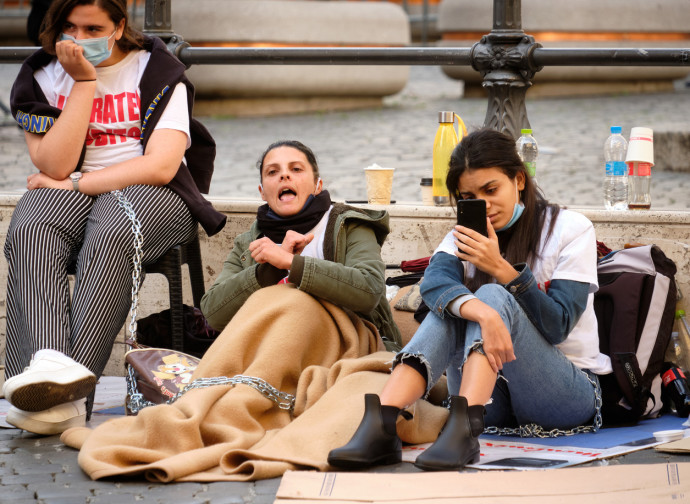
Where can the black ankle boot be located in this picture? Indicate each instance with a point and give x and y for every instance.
(375, 441)
(457, 444)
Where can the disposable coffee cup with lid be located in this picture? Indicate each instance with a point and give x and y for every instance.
(379, 184)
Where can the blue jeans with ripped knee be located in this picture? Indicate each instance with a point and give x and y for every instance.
(540, 386)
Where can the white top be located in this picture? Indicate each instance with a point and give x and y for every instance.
(315, 247)
(570, 254)
(115, 125)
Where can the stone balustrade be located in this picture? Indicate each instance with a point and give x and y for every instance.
(271, 89)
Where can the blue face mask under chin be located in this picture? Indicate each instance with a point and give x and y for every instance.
(517, 211)
(95, 49)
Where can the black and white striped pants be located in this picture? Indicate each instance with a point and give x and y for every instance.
(49, 228)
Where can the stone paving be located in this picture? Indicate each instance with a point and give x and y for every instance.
(570, 132)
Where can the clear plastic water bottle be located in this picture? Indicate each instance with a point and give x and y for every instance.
(528, 151)
(616, 178)
(676, 353)
(682, 328)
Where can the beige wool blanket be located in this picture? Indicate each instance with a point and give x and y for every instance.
(327, 357)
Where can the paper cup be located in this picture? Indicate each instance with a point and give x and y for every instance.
(641, 146)
(379, 184)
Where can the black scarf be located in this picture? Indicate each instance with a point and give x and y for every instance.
(274, 227)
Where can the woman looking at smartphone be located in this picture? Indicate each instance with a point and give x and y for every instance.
(511, 320)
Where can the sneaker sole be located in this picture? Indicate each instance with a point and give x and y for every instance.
(29, 424)
(44, 395)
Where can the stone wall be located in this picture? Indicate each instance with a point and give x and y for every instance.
(416, 230)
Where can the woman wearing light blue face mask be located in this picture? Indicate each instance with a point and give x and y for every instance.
(104, 108)
(510, 321)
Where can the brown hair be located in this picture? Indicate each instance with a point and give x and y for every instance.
(116, 9)
(295, 144)
(487, 148)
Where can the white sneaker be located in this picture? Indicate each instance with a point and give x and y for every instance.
(51, 379)
(52, 421)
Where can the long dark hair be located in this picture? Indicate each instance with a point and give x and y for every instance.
(487, 148)
(117, 11)
(295, 144)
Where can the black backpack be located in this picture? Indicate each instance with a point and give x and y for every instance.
(635, 307)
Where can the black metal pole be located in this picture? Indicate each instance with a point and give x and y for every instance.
(611, 57)
(325, 56)
(504, 58)
(158, 19)
(400, 56)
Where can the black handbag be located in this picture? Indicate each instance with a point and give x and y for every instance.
(154, 331)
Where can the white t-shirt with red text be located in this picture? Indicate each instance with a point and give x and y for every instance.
(115, 124)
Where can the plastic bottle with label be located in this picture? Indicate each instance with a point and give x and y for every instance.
(616, 175)
(675, 389)
(640, 159)
(683, 330)
(676, 353)
(528, 150)
(445, 141)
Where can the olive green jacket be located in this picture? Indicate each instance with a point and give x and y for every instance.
(351, 275)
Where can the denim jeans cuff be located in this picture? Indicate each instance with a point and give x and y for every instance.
(400, 358)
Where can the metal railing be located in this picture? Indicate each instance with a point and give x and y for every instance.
(507, 58)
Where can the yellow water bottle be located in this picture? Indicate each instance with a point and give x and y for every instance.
(444, 143)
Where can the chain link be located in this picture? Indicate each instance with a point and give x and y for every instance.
(534, 430)
(284, 400)
(136, 260)
(136, 400)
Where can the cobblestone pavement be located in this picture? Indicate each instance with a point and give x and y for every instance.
(570, 132)
(42, 470)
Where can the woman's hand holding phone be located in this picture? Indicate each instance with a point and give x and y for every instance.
(483, 252)
(475, 247)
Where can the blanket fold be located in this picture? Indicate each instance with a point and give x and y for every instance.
(325, 356)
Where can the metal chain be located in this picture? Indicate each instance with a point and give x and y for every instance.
(136, 260)
(284, 400)
(136, 400)
(534, 430)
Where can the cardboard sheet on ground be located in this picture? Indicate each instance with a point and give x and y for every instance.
(621, 484)
(504, 452)
(680, 446)
(110, 393)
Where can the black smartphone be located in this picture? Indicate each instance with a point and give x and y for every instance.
(472, 214)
